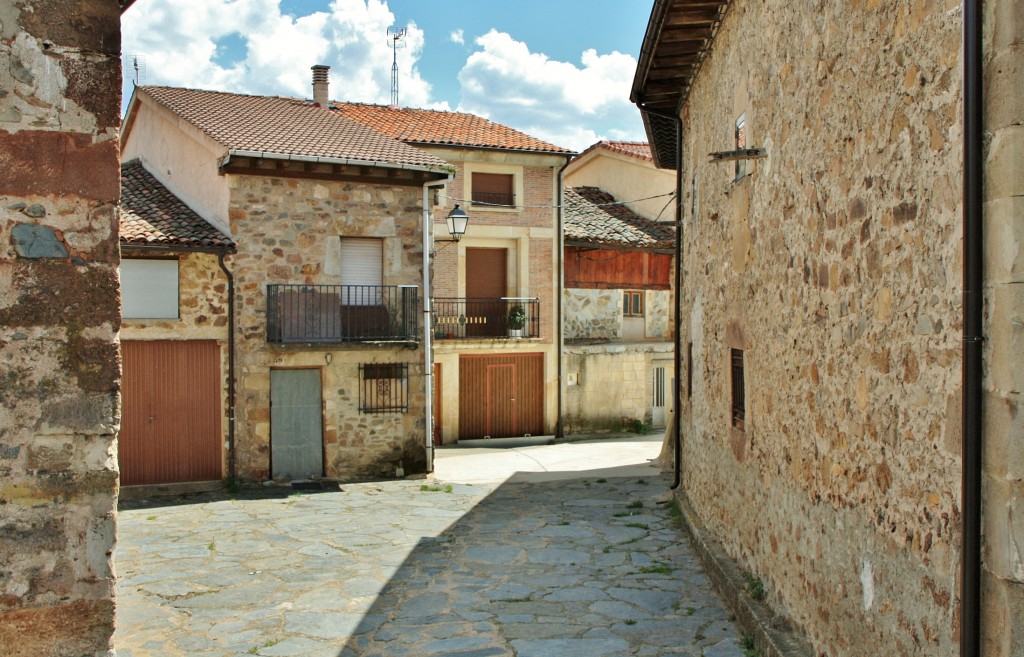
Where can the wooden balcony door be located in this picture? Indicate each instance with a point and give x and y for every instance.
(486, 278)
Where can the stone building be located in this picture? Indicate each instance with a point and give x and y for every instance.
(826, 218)
(492, 379)
(59, 365)
(176, 327)
(327, 217)
(618, 300)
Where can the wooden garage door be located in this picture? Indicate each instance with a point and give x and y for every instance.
(171, 412)
(501, 395)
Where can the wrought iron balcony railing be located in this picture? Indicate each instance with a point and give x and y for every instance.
(341, 313)
(483, 319)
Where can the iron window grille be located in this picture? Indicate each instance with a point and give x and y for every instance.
(384, 388)
(689, 370)
(738, 391)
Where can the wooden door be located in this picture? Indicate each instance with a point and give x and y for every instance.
(171, 412)
(296, 424)
(501, 395)
(486, 284)
(501, 400)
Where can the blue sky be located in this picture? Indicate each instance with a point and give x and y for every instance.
(557, 69)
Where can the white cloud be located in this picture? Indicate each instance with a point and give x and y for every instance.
(556, 101)
(458, 37)
(178, 41)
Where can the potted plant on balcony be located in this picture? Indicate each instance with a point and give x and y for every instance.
(516, 320)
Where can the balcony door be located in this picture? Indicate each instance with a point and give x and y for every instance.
(486, 284)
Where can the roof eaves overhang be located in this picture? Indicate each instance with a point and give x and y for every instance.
(177, 248)
(440, 171)
(679, 35)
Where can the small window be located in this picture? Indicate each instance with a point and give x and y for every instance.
(633, 304)
(738, 391)
(149, 289)
(495, 189)
(384, 388)
(741, 142)
(689, 370)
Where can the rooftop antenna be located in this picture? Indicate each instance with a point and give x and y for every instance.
(139, 66)
(396, 35)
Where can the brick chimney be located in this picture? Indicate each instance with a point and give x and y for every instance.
(320, 84)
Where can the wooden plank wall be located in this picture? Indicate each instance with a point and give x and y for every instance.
(613, 269)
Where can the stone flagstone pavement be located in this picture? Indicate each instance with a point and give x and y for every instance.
(565, 564)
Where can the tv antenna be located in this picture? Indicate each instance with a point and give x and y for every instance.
(139, 66)
(395, 35)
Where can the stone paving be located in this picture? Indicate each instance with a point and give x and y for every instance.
(590, 566)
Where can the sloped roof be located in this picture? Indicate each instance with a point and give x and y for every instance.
(153, 216)
(434, 127)
(592, 216)
(274, 125)
(679, 35)
(641, 150)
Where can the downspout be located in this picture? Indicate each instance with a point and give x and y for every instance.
(677, 297)
(428, 334)
(974, 301)
(560, 305)
(231, 367)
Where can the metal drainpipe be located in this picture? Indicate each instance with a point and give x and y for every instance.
(560, 304)
(428, 356)
(231, 366)
(677, 356)
(972, 373)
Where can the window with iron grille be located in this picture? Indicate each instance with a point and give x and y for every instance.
(384, 388)
(633, 304)
(495, 189)
(738, 391)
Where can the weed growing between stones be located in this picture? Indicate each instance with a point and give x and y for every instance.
(435, 488)
(755, 587)
(748, 647)
(637, 504)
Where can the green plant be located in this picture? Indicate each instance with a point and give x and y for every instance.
(630, 621)
(517, 317)
(637, 504)
(602, 480)
(637, 525)
(659, 568)
(755, 587)
(748, 646)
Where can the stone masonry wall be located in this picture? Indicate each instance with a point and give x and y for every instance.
(59, 316)
(282, 226)
(834, 266)
(596, 314)
(1003, 460)
(611, 385)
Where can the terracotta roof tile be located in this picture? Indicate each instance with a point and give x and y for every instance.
(638, 149)
(593, 217)
(286, 126)
(422, 126)
(152, 216)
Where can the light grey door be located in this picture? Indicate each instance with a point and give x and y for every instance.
(660, 395)
(296, 424)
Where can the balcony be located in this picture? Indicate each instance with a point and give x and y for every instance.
(486, 319)
(342, 313)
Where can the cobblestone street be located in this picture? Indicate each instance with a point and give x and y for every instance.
(550, 563)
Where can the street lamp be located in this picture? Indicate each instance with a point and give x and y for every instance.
(457, 221)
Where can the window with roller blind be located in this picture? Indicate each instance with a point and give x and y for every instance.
(362, 269)
(149, 288)
(493, 189)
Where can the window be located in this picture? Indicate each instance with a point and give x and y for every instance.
(689, 370)
(633, 304)
(362, 268)
(149, 289)
(738, 392)
(741, 142)
(384, 388)
(494, 189)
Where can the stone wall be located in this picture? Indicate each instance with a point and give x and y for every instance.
(596, 314)
(1003, 478)
(283, 227)
(59, 316)
(833, 266)
(609, 387)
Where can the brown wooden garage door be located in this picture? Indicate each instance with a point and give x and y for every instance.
(501, 395)
(171, 412)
